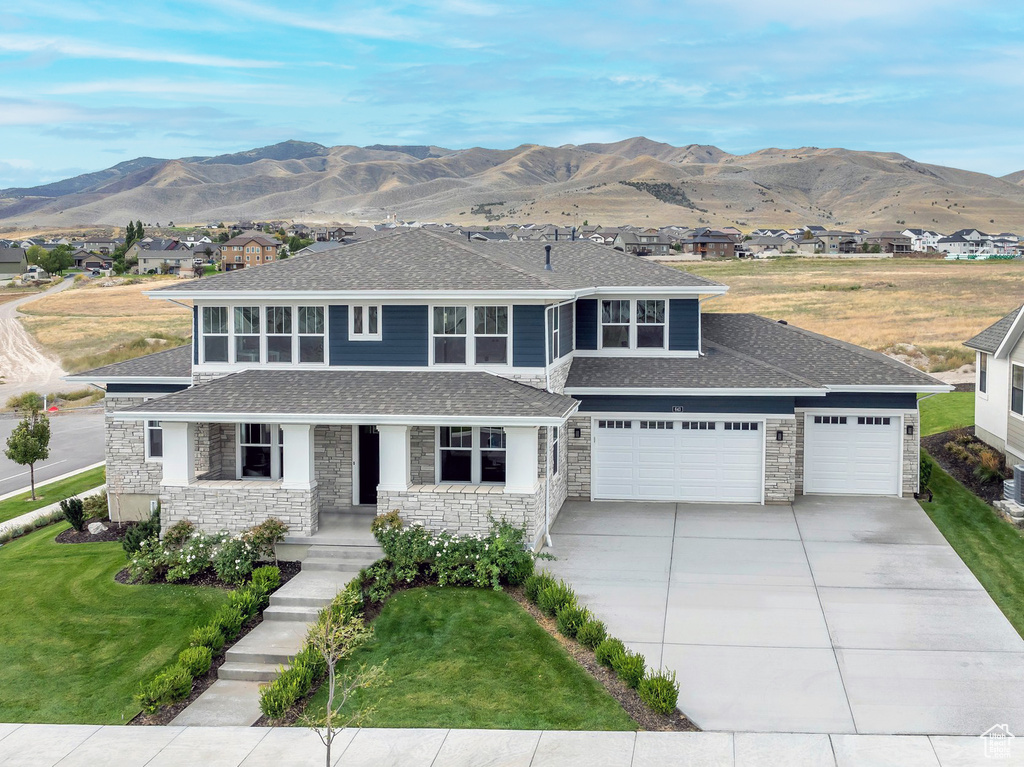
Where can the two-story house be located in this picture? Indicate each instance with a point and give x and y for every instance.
(456, 380)
(248, 250)
(643, 243)
(999, 385)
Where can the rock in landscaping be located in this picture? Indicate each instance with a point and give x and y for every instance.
(95, 528)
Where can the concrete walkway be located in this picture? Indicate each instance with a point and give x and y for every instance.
(833, 615)
(38, 745)
(31, 516)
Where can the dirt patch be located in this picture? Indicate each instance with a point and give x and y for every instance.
(961, 470)
(115, 531)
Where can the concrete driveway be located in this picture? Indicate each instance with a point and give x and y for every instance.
(836, 615)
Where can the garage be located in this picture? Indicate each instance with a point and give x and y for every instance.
(678, 460)
(852, 454)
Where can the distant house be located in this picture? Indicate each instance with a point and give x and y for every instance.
(83, 259)
(12, 263)
(102, 245)
(835, 243)
(923, 240)
(957, 245)
(710, 244)
(248, 250)
(643, 243)
(889, 242)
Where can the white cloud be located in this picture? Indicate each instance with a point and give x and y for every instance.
(75, 49)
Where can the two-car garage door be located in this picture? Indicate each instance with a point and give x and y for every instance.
(669, 460)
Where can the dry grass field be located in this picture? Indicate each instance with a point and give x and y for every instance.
(90, 325)
(878, 303)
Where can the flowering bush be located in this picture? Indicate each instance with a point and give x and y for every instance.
(194, 556)
(234, 560)
(149, 562)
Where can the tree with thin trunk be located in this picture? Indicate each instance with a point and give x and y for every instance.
(336, 637)
(30, 443)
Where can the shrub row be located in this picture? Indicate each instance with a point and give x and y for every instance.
(10, 533)
(175, 682)
(659, 691)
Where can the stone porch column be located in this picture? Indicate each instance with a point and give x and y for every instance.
(521, 448)
(394, 458)
(298, 464)
(179, 454)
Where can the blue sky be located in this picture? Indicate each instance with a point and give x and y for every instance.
(85, 84)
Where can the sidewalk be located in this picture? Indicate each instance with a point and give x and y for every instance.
(31, 516)
(38, 745)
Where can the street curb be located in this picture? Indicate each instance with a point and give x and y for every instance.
(28, 488)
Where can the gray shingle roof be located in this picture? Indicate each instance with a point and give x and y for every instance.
(361, 392)
(173, 363)
(421, 260)
(989, 339)
(824, 360)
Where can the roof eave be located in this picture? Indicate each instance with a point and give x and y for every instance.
(763, 391)
(101, 380)
(935, 388)
(400, 295)
(344, 418)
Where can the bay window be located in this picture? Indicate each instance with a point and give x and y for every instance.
(490, 330)
(450, 335)
(215, 334)
(247, 334)
(1017, 390)
(471, 454)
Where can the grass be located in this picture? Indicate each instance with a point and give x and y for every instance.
(875, 303)
(475, 658)
(942, 412)
(992, 548)
(51, 493)
(92, 325)
(76, 644)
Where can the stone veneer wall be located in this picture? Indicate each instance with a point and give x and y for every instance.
(559, 373)
(798, 468)
(421, 454)
(332, 455)
(780, 460)
(578, 458)
(911, 452)
(128, 471)
(216, 505)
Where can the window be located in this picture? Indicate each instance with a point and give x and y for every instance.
(983, 373)
(256, 451)
(554, 450)
(490, 330)
(472, 455)
(311, 334)
(873, 420)
(154, 440)
(364, 323)
(615, 424)
(656, 424)
(279, 334)
(836, 420)
(553, 333)
(650, 324)
(215, 334)
(698, 425)
(741, 426)
(1017, 390)
(614, 324)
(247, 334)
(450, 335)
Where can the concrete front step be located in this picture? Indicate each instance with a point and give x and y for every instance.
(312, 588)
(226, 703)
(250, 672)
(304, 613)
(272, 642)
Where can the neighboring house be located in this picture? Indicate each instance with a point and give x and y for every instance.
(889, 242)
(643, 243)
(248, 250)
(836, 243)
(999, 385)
(102, 245)
(709, 245)
(456, 382)
(89, 261)
(12, 263)
(923, 240)
(958, 245)
(316, 247)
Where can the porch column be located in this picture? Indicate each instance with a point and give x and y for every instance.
(521, 443)
(179, 453)
(394, 458)
(297, 465)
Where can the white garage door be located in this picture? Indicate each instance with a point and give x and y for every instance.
(852, 454)
(678, 460)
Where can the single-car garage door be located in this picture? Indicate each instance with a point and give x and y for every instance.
(852, 454)
(667, 460)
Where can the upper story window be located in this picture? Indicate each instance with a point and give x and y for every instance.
(983, 372)
(625, 326)
(270, 334)
(364, 323)
(650, 324)
(554, 333)
(311, 334)
(1017, 390)
(279, 334)
(457, 342)
(247, 334)
(614, 324)
(215, 333)
(490, 330)
(450, 335)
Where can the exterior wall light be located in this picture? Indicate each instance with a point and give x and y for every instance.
(577, 433)
(910, 430)
(779, 436)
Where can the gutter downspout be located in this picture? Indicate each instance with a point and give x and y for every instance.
(547, 452)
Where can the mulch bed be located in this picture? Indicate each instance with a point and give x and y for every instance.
(961, 471)
(628, 698)
(201, 684)
(115, 531)
(208, 577)
(964, 387)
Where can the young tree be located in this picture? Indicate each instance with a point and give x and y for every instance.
(35, 253)
(139, 231)
(29, 443)
(129, 234)
(336, 637)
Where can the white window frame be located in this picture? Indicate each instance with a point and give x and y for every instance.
(555, 463)
(267, 335)
(635, 325)
(276, 452)
(983, 374)
(259, 334)
(554, 332)
(476, 463)
(471, 335)
(1013, 367)
(507, 335)
(296, 335)
(148, 428)
(364, 311)
(225, 335)
(601, 324)
(633, 304)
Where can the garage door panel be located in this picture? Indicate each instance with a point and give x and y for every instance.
(852, 458)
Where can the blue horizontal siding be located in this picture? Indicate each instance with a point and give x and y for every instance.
(528, 336)
(405, 335)
(195, 335)
(684, 324)
(566, 329)
(586, 323)
(860, 400)
(145, 388)
(664, 404)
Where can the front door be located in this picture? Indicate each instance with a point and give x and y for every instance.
(369, 464)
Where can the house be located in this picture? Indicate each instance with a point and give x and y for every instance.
(12, 262)
(957, 245)
(710, 244)
(836, 243)
(888, 242)
(454, 381)
(91, 261)
(999, 385)
(102, 245)
(643, 243)
(922, 240)
(248, 250)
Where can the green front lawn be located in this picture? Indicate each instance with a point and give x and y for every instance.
(942, 412)
(52, 493)
(992, 548)
(74, 644)
(474, 658)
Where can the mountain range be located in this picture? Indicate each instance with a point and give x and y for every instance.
(635, 181)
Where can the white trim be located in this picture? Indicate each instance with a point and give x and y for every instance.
(366, 335)
(687, 416)
(752, 392)
(475, 459)
(340, 419)
(470, 336)
(638, 354)
(168, 380)
(895, 389)
(901, 414)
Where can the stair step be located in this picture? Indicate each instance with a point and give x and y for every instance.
(249, 672)
(336, 565)
(299, 601)
(273, 642)
(304, 613)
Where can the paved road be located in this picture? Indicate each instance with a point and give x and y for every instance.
(76, 440)
(831, 615)
(24, 366)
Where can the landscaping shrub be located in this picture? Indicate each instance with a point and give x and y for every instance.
(381, 581)
(607, 650)
(229, 621)
(534, 584)
(263, 537)
(207, 636)
(96, 506)
(659, 691)
(170, 685)
(196, 660)
(246, 600)
(178, 533)
(957, 450)
(570, 617)
(143, 531)
(149, 562)
(630, 668)
(281, 694)
(990, 466)
(554, 596)
(266, 579)
(591, 634)
(194, 555)
(74, 512)
(924, 474)
(234, 561)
